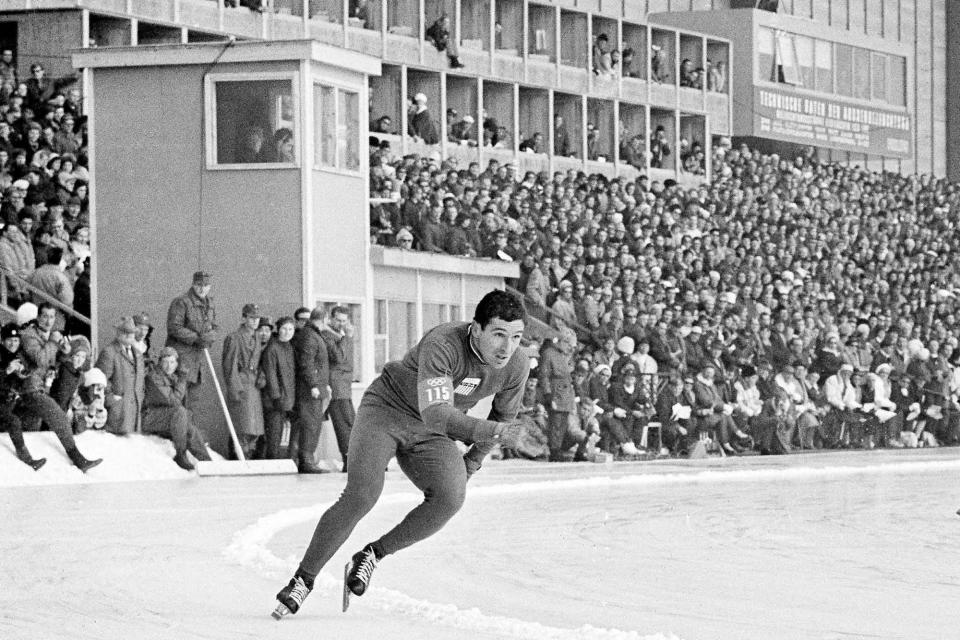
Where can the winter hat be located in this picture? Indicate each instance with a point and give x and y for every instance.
(94, 376)
(747, 370)
(27, 312)
(79, 343)
(625, 345)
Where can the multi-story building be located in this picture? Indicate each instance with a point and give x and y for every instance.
(865, 81)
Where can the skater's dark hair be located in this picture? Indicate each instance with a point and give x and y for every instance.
(499, 304)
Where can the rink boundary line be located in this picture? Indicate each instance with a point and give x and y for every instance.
(249, 546)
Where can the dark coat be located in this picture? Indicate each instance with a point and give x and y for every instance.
(191, 322)
(312, 364)
(421, 125)
(279, 369)
(340, 359)
(241, 362)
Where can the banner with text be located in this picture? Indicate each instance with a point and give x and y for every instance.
(790, 116)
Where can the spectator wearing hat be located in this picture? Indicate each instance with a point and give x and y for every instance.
(144, 330)
(420, 123)
(41, 347)
(165, 413)
(313, 389)
(404, 238)
(278, 370)
(240, 362)
(430, 232)
(88, 406)
(776, 424)
(264, 331)
(749, 405)
(125, 371)
(338, 337)
(462, 131)
(555, 379)
(191, 328)
(10, 383)
(696, 354)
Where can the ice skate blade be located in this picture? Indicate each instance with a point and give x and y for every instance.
(280, 611)
(346, 589)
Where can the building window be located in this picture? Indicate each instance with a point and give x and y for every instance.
(805, 61)
(878, 76)
(766, 55)
(336, 128)
(787, 70)
(844, 64)
(823, 56)
(254, 121)
(897, 70)
(861, 73)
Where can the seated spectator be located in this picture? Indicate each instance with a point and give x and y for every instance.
(282, 148)
(776, 425)
(889, 418)
(124, 369)
(438, 34)
(715, 415)
(625, 412)
(688, 77)
(165, 412)
(250, 145)
(69, 373)
(533, 144)
(12, 367)
(51, 278)
(383, 124)
(462, 132)
(534, 417)
(42, 347)
(674, 407)
(845, 419)
(628, 68)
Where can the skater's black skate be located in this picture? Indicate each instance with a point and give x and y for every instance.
(357, 574)
(291, 597)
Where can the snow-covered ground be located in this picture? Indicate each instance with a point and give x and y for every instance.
(818, 546)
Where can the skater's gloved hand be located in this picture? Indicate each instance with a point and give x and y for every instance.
(472, 465)
(509, 434)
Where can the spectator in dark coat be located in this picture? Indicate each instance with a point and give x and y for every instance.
(240, 362)
(420, 123)
(124, 368)
(192, 328)
(278, 368)
(165, 413)
(313, 389)
(556, 389)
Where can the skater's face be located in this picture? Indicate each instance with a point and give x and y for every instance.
(496, 342)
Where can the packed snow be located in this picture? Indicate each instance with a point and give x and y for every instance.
(819, 546)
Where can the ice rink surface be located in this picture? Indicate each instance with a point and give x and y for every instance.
(819, 546)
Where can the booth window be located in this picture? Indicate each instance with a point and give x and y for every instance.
(254, 121)
(337, 128)
(787, 70)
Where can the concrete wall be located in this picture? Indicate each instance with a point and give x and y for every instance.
(46, 37)
(152, 231)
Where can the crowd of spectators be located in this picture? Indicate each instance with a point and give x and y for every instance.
(45, 236)
(788, 303)
(281, 380)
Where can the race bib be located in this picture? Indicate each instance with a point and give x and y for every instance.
(435, 391)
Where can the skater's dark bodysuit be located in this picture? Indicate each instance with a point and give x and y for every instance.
(415, 411)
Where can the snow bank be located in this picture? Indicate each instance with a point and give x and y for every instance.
(128, 458)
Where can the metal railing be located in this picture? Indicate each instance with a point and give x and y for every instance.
(7, 276)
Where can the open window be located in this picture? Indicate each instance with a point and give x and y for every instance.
(252, 121)
(788, 71)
